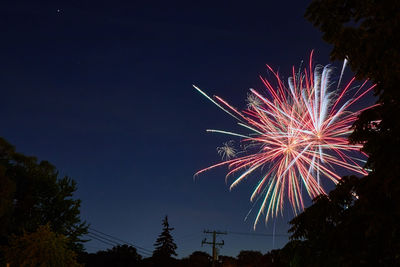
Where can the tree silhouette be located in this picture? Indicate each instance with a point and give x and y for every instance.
(33, 194)
(118, 256)
(249, 258)
(41, 248)
(165, 246)
(197, 259)
(357, 224)
(366, 33)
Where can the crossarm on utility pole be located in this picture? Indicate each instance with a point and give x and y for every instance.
(214, 243)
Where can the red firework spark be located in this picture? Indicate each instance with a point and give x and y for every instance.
(299, 133)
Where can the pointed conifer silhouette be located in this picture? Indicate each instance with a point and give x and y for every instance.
(165, 246)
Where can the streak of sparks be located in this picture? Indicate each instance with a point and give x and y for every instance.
(299, 132)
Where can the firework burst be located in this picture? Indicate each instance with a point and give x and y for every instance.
(297, 134)
(227, 151)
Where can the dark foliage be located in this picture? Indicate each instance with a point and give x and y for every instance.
(226, 261)
(118, 256)
(249, 258)
(367, 32)
(41, 248)
(357, 224)
(32, 194)
(197, 259)
(127, 256)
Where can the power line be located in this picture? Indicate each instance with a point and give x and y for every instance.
(111, 242)
(105, 242)
(187, 237)
(123, 241)
(255, 234)
(108, 240)
(126, 242)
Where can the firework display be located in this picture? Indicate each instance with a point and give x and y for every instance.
(296, 135)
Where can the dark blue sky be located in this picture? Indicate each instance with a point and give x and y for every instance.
(102, 89)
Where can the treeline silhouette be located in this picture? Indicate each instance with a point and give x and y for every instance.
(127, 256)
(165, 252)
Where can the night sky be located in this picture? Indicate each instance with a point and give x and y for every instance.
(103, 90)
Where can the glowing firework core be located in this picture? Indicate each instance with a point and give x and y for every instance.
(298, 133)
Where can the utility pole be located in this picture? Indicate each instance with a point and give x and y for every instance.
(213, 243)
